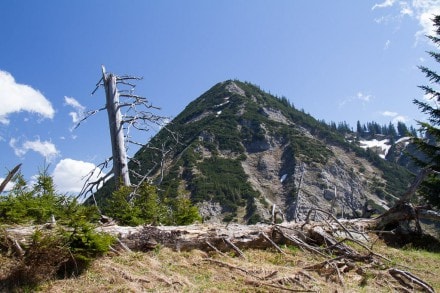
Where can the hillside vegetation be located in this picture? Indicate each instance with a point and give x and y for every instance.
(236, 142)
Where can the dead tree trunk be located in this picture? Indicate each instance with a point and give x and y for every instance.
(404, 211)
(120, 166)
(9, 177)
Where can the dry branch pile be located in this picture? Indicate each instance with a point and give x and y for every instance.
(345, 245)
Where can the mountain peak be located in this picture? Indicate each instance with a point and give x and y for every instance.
(242, 151)
(232, 87)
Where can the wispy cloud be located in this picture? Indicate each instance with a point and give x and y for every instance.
(405, 9)
(421, 10)
(387, 45)
(359, 97)
(15, 97)
(363, 97)
(78, 113)
(45, 148)
(400, 118)
(425, 11)
(386, 3)
(396, 117)
(389, 114)
(69, 174)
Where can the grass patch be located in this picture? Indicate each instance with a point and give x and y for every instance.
(164, 270)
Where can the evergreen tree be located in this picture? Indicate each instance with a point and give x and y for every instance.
(384, 130)
(429, 144)
(392, 130)
(402, 129)
(413, 131)
(343, 127)
(359, 129)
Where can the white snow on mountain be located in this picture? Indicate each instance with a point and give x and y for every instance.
(382, 145)
(405, 139)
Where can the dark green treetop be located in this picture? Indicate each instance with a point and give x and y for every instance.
(429, 144)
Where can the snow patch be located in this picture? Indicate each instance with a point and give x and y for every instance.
(380, 144)
(283, 178)
(405, 140)
(222, 104)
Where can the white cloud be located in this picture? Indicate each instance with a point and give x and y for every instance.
(421, 10)
(430, 100)
(73, 103)
(387, 45)
(15, 97)
(69, 175)
(386, 3)
(362, 97)
(78, 114)
(44, 148)
(389, 114)
(9, 185)
(425, 11)
(405, 9)
(396, 117)
(400, 118)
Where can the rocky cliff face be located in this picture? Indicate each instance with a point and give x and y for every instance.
(241, 151)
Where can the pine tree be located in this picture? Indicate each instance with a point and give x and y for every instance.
(359, 129)
(392, 130)
(402, 129)
(429, 144)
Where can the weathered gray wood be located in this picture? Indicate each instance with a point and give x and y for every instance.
(428, 214)
(120, 166)
(415, 184)
(408, 280)
(404, 211)
(9, 177)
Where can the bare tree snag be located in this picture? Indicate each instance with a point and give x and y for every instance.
(403, 210)
(126, 111)
(415, 184)
(119, 153)
(9, 177)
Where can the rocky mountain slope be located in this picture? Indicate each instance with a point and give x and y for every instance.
(240, 151)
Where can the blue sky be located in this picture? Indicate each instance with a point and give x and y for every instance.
(337, 60)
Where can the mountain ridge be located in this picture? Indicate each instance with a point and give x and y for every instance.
(241, 150)
(260, 145)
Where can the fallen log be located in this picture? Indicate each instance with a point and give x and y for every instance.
(323, 239)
